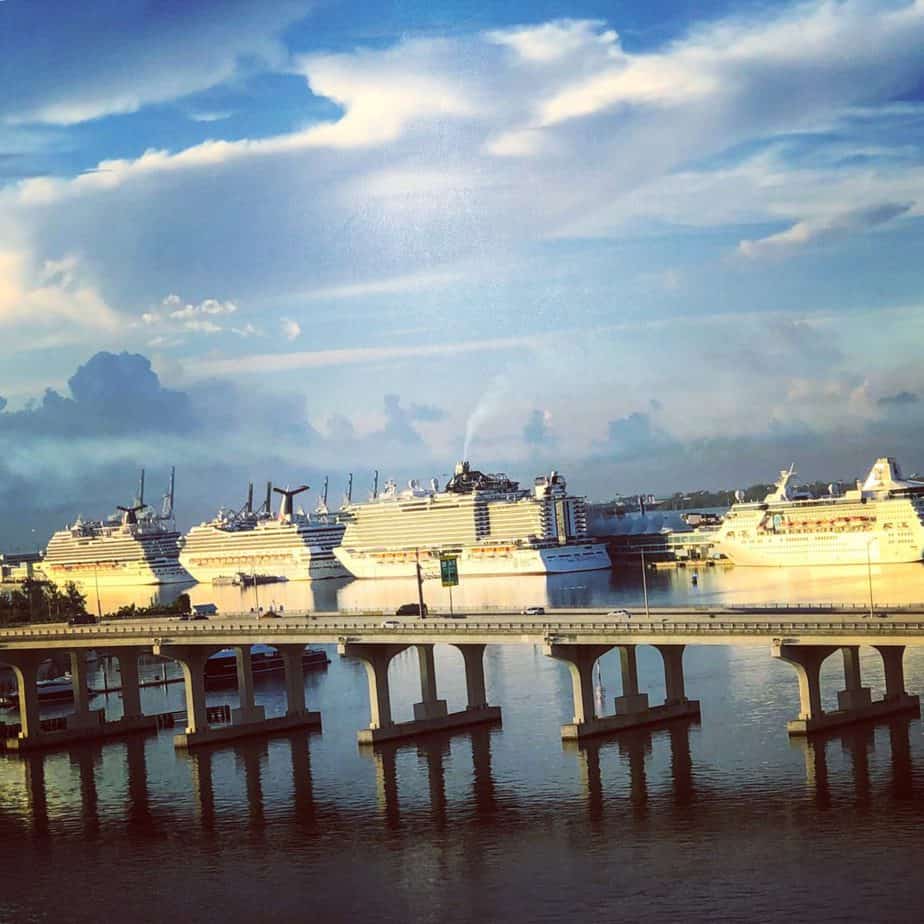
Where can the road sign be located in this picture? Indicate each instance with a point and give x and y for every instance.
(449, 570)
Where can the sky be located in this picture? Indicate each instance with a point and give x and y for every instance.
(656, 246)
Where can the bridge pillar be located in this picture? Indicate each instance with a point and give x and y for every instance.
(431, 714)
(580, 660)
(191, 659)
(25, 666)
(247, 710)
(855, 695)
(473, 655)
(631, 701)
(430, 707)
(894, 667)
(131, 690)
(82, 716)
(292, 656)
(855, 704)
(673, 673)
(807, 660)
(375, 659)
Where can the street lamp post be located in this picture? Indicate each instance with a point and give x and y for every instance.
(869, 576)
(644, 584)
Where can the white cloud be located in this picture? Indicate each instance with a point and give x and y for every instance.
(291, 330)
(823, 230)
(53, 293)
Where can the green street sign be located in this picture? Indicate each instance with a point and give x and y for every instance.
(449, 571)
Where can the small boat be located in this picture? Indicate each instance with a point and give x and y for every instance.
(57, 690)
(221, 667)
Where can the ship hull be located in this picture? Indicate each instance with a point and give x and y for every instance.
(478, 562)
(809, 551)
(129, 574)
(317, 569)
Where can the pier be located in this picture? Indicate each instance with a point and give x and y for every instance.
(802, 636)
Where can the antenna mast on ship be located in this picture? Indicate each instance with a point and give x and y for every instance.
(166, 510)
(349, 490)
(375, 485)
(140, 490)
(249, 508)
(267, 507)
(324, 496)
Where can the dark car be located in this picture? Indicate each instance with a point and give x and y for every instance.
(82, 619)
(411, 609)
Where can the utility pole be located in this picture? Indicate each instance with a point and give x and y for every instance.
(420, 600)
(645, 585)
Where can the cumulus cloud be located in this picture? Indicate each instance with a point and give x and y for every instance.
(399, 421)
(55, 292)
(634, 436)
(109, 394)
(824, 230)
(176, 317)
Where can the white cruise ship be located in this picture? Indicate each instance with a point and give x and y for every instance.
(881, 521)
(255, 544)
(491, 524)
(140, 547)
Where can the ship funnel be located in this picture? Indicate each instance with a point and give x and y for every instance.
(130, 514)
(268, 502)
(249, 507)
(285, 506)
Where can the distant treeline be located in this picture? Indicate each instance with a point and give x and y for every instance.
(42, 601)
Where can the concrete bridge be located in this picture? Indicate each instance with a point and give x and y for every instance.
(803, 636)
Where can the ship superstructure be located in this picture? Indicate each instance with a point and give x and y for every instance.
(881, 520)
(492, 525)
(139, 547)
(254, 544)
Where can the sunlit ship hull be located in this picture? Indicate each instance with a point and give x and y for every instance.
(478, 562)
(117, 574)
(288, 551)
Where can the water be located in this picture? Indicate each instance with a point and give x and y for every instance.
(727, 819)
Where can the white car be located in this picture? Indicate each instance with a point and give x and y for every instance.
(619, 614)
(390, 624)
(534, 611)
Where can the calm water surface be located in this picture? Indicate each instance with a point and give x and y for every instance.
(726, 819)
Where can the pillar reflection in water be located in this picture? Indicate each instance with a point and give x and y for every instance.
(139, 805)
(858, 744)
(87, 758)
(251, 756)
(302, 793)
(432, 751)
(634, 747)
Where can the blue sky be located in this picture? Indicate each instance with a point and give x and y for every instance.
(656, 245)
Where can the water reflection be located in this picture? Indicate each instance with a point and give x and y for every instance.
(634, 749)
(433, 752)
(857, 746)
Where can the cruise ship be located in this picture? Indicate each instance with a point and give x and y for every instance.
(488, 522)
(880, 521)
(139, 547)
(247, 545)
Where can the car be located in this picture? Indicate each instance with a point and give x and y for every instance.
(533, 611)
(411, 609)
(618, 614)
(197, 616)
(390, 624)
(269, 614)
(82, 619)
